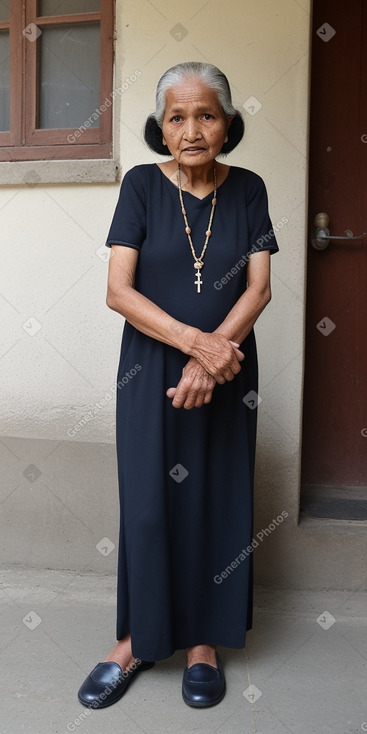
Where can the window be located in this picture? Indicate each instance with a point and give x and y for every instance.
(56, 71)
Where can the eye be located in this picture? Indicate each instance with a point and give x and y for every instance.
(207, 116)
(176, 118)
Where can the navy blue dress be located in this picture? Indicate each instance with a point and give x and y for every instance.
(186, 476)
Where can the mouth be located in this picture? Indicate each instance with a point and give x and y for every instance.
(193, 149)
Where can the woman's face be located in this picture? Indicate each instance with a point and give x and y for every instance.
(194, 125)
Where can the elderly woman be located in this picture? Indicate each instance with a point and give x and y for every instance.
(191, 240)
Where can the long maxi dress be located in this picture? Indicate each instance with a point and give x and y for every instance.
(186, 476)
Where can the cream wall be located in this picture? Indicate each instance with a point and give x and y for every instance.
(52, 273)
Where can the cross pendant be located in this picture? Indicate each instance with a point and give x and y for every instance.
(198, 281)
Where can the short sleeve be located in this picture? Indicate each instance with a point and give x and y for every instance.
(128, 225)
(260, 229)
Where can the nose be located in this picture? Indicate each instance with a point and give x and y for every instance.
(192, 131)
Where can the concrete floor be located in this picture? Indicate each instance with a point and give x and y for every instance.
(307, 669)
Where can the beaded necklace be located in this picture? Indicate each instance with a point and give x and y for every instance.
(198, 261)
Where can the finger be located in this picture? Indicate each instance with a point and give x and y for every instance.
(235, 362)
(235, 368)
(195, 397)
(190, 401)
(179, 399)
(171, 392)
(240, 355)
(178, 402)
(182, 393)
(200, 399)
(208, 397)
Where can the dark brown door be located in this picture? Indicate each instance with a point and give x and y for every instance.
(335, 386)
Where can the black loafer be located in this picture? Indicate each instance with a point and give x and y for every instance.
(203, 685)
(107, 683)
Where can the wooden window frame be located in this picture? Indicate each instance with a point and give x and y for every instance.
(27, 142)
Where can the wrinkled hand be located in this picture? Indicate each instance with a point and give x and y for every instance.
(218, 355)
(194, 388)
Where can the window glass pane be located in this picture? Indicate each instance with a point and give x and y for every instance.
(69, 76)
(4, 82)
(4, 9)
(61, 7)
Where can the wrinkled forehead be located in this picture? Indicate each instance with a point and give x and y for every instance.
(193, 93)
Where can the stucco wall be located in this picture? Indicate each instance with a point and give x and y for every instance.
(50, 272)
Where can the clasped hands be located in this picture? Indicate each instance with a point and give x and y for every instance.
(214, 359)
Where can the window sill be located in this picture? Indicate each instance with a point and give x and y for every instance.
(326, 525)
(33, 173)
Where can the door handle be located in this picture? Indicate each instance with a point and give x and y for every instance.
(321, 233)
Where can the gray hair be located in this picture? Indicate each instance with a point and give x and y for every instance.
(207, 73)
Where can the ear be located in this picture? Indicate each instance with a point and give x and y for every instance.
(164, 140)
(229, 120)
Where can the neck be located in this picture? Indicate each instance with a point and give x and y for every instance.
(199, 174)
